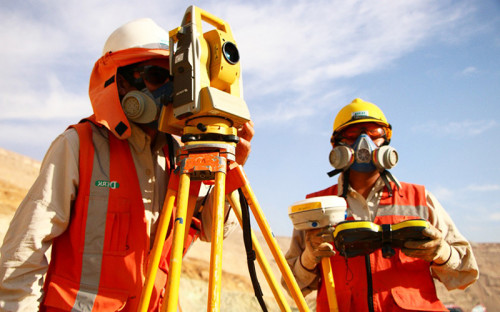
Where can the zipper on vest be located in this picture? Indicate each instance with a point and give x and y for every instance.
(369, 283)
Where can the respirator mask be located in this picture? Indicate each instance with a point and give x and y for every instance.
(363, 156)
(144, 106)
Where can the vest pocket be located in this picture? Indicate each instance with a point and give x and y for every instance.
(107, 225)
(117, 229)
(416, 299)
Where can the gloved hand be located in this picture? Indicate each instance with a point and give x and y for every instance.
(316, 248)
(435, 250)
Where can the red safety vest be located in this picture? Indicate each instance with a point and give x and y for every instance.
(99, 263)
(399, 283)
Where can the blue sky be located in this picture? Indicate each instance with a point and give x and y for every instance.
(432, 66)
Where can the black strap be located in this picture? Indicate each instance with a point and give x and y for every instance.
(386, 176)
(171, 152)
(345, 185)
(247, 238)
(197, 211)
(391, 177)
(334, 172)
(387, 250)
(369, 283)
(383, 175)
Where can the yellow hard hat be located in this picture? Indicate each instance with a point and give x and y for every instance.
(360, 111)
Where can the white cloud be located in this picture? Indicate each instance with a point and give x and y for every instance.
(444, 193)
(495, 216)
(469, 70)
(484, 187)
(458, 194)
(333, 39)
(51, 102)
(471, 201)
(466, 128)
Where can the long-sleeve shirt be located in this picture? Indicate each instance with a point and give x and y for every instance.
(460, 271)
(46, 210)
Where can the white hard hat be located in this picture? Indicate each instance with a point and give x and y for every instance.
(140, 33)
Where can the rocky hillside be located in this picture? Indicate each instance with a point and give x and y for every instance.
(18, 172)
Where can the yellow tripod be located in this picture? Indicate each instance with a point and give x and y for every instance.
(212, 160)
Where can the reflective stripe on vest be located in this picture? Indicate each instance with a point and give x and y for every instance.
(399, 283)
(411, 201)
(94, 235)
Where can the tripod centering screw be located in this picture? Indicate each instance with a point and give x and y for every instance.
(201, 127)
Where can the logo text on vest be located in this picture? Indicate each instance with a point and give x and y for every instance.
(111, 185)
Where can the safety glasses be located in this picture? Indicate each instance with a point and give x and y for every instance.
(153, 74)
(374, 131)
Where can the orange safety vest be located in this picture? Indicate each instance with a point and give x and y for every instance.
(374, 283)
(99, 263)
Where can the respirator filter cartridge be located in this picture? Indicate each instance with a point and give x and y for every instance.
(341, 157)
(139, 107)
(385, 157)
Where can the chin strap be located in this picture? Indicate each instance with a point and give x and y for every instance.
(345, 185)
(386, 176)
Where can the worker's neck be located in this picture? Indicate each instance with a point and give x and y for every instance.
(363, 182)
(150, 132)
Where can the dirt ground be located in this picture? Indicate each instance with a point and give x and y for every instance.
(18, 172)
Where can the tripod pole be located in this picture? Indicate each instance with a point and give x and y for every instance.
(157, 250)
(170, 304)
(271, 241)
(214, 281)
(330, 285)
(263, 263)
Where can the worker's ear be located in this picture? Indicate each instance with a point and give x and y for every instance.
(123, 85)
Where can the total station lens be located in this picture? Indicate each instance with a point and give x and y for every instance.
(230, 52)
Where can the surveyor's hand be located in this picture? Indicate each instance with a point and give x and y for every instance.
(435, 250)
(243, 147)
(316, 248)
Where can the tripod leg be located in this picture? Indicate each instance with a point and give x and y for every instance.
(261, 259)
(172, 291)
(271, 242)
(214, 282)
(155, 256)
(330, 285)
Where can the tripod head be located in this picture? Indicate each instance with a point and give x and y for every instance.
(207, 97)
